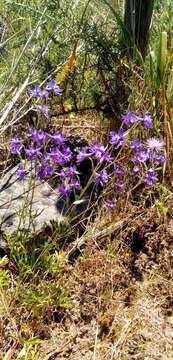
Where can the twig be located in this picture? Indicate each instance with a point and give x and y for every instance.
(14, 100)
(77, 244)
(10, 353)
(57, 351)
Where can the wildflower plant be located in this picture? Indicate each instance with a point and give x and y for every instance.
(52, 155)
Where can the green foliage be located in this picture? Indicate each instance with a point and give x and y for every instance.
(161, 63)
(42, 295)
(4, 278)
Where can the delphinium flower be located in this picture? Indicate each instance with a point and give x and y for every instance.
(119, 171)
(120, 174)
(53, 87)
(32, 152)
(129, 119)
(74, 184)
(142, 156)
(119, 185)
(117, 138)
(159, 158)
(43, 109)
(21, 172)
(61, 157)
(38, 92)
(64, 190)
(150, 177)
(83, 154)
(45, 172)
(67, 154)
(99, 153)
(15, 146)
(61, 174)
(71, 171)
(136, 145)
(109, 204)
(146, 120)
(155, 144)
(55, 155)
(101, 178)
(58, 138)
(39, 137)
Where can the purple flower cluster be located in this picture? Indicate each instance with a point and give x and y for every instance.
(147, 156)
(15, 146)
(51, 88)
(119, 172)
(131, 119)
(151, 177)
(101, 177)
(52, 155)
(150, 152)
(117, 138)
(38, 92)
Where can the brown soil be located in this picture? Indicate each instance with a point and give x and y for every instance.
(122, 294)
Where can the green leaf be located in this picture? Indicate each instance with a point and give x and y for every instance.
(162, 55)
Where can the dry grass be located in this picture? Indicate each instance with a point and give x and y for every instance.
(116, 313)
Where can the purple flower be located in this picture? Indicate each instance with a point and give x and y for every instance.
(64, 190)
(129, 119)
(71, 171)
(101, 177)
(54, 88)
(15, 147)
(75, 184)
(43, 109)
(45, 172)
(119, 184)
(155, 144)
(32, 153)
(21, 172)
(99, 153)
(135, 170)
(119, 171)
(136, 144)
(37, 91)
(150, 178)
(117, 138)
(146, 121)
(142, 156)
(67, 154)
(83, 154)
(62, 174)
(61, 157)
(160, 158)
(55, 155)
(58, 138)
(38, 137)
(109, 204)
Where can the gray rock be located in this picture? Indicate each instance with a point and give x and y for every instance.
(26, 204)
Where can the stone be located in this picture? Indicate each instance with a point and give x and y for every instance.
(26, 204)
